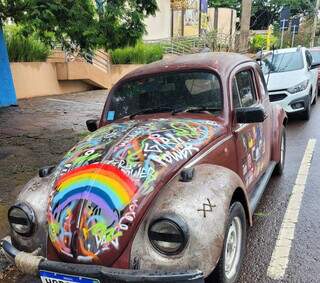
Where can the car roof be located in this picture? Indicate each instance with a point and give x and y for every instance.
(317, 48)
(221, 62)
(288, 50)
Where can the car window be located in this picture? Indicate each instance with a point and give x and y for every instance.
(198, 86)
(315, 56)
(235, 95)
(246, 88)
(173, 90)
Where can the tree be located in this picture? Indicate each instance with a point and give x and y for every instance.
(265, 12)
(88, 25)
(233, 4)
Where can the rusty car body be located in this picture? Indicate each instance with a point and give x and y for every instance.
(161, 191)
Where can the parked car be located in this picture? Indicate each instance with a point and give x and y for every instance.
(291, 79)
(164, 187)
(315, 53)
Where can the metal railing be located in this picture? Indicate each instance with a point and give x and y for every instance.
(194, 44)
(98, 58)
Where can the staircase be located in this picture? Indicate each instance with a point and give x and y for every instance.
(94, 69)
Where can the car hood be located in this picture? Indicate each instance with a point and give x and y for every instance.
(285, 80)
(104, 185)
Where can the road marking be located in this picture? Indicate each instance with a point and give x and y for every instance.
(281, 252)
(74, 102)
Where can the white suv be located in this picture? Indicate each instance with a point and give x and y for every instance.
(291, 79)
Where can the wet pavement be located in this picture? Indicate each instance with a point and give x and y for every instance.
(41, 130)
(36, 134)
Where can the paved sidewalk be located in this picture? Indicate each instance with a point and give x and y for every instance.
(36, 134)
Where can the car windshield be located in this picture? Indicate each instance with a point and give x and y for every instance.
(175, 91)
(315, 56)
(282, 62)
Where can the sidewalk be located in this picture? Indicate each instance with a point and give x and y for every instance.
(38, 133)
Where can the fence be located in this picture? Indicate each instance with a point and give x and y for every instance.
(189, 45)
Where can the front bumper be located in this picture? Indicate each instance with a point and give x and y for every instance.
(287, 100)
(32, 264)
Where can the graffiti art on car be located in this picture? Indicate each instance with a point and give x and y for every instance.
(101, 182)
(254, 144)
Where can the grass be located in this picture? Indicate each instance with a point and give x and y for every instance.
(25, 49)
(139, 54)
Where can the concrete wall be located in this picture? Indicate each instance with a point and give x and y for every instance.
(222, 20)
(40, 78)
(159, 26)
(119, 71)
(45, 78)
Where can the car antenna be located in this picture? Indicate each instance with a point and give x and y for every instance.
(273, 49)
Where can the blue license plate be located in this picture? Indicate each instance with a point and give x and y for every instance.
(53, 277)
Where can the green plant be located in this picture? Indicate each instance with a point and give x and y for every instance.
(24, 49)
(259, 41)
(139, 54)
(86, 24)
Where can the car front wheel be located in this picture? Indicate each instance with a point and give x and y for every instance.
(306, 113)
(229, 266)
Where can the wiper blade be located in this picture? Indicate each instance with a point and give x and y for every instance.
(195, 109)
(151, 110)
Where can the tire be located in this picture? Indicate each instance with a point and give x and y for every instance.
(228, 270)
(278, 170)
(314, 102)
(307, 112)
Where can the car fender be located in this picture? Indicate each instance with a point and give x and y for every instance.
(35, 194)
(280, 119)
(203, 204)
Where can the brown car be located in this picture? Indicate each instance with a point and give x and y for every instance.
(164, 187)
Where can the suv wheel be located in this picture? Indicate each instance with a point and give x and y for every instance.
(314, 102)
(306, 112)
(229, 266)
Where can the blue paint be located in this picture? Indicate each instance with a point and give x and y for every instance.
(111, 115)
(7, 92)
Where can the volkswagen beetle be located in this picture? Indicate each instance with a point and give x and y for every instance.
(164, 187)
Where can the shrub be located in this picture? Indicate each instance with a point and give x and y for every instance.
(25, 49)
(140, 54)
(259, 41)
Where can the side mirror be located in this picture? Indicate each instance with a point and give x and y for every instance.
(250, 115)
(315, 66)
(92, 125)
(46, 171)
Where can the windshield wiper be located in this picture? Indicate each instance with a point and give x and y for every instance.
(195, 109)
(151, 110)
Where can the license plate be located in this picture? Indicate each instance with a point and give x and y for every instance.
(53, 277)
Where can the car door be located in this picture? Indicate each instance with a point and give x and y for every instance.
(250, 138)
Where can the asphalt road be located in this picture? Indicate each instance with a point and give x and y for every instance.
(303, 261)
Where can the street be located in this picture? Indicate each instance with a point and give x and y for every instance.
(42, 129)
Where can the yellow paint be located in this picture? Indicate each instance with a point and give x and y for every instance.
(281, 252)
(269, 34)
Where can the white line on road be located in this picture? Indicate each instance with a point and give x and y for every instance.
(281, 252)
(74, 102)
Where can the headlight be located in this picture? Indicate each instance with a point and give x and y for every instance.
(300, 87)
(168, 236)
(21, 219)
